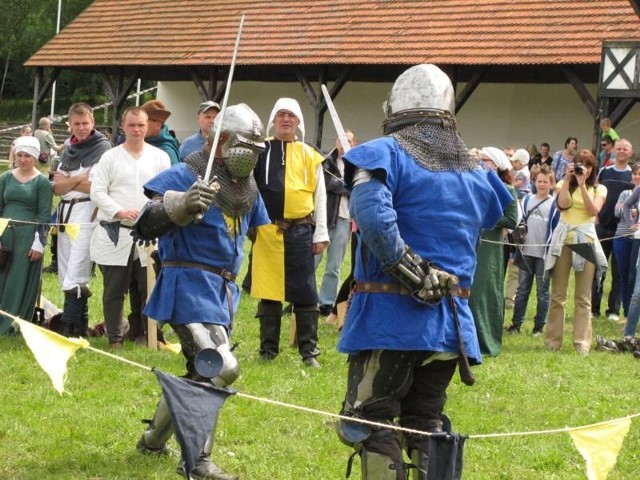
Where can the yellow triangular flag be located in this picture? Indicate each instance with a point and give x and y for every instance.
(600, 444)
(72, 229)
(3, 224)
(52, 351)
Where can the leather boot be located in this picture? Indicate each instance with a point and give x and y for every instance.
(270, 316)
(72, 313)
(307, 333)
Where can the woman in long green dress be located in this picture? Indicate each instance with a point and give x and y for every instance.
(487, 290)
(25, 199)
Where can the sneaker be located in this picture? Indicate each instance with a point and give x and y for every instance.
(614, 317)
(513, 329)
(537, 331)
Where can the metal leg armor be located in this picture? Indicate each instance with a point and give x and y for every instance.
(154, 439)
(197, 336)
(376, 466)
(205, 468)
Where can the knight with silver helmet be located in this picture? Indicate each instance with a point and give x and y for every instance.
(201, 225)
(420, 201)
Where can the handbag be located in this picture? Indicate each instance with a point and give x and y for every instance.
(43, 158)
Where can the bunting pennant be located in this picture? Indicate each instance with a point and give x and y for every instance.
(52, 351)
(72, 229)
(3, 224)
(194, 408)
(599, 445)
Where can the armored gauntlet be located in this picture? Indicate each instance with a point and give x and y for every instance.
(426, 283)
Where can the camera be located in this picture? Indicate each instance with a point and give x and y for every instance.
(578, 168)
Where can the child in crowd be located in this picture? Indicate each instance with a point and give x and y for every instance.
(541, 216)
(522, 182)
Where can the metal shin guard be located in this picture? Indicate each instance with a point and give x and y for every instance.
(377, 466)
(159, 431)
(205, 468)
(307, 331)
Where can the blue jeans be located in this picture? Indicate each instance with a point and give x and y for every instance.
(535, 269)
(634, 307)
(622, 251)
(338, 238)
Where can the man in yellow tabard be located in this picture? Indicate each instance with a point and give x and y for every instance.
(290, 179)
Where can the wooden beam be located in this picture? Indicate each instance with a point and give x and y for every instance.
(119, 89)
(469, 88)
(582, 91)
(621, 110)
(319, 108)
(306, 86)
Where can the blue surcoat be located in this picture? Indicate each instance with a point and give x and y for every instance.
(193, 295)
(439, 214)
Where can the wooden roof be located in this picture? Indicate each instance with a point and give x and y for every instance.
(162, 36)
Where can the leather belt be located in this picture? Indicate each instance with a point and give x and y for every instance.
(398, 289)
(226, 274)
(285, 223)
(62, 218)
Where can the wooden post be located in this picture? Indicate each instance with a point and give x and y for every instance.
(152, 325)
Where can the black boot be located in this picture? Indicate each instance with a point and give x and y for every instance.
(270, 315)
(73, 313)
(307, 333)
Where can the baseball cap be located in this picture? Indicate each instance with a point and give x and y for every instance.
(204, 106)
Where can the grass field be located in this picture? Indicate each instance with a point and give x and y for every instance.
(91, 431)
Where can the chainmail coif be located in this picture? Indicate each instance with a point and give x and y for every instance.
(436, 147)
(236, 196)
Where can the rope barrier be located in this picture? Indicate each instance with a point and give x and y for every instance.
(361, 420)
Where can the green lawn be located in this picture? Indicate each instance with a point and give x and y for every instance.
(91, 431)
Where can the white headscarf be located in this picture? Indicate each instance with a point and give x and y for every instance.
(27, 144)
(498, 157)
(291, 105)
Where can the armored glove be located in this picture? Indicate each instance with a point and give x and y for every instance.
(426, 283)
(182, 206)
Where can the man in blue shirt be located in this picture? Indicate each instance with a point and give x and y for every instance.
(205, 115)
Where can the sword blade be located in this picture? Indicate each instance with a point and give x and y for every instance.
(342, 135)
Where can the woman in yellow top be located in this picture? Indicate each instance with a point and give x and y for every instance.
(574, 244)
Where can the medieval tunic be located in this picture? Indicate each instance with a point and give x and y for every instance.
(20, 278)
(487, 291)
(433, 215)
(74, 263)
(290, 179)
(194, 295)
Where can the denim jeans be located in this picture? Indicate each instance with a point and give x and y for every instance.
(535, 270)
(339, 238)
(622, 251)
(634, 307)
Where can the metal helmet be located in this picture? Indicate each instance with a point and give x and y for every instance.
(245, 139)
(421, 91)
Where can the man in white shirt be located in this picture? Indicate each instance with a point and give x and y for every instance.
(116, 189)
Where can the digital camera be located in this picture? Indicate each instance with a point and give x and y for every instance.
(578, 168)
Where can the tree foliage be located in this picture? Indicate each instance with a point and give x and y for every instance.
(25, 26)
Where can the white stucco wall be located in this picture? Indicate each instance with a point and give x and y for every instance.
(496, 114)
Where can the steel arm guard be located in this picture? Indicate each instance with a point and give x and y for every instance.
(152, 222)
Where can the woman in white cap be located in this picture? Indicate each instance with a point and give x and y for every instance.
(25, 201)
(487, 290)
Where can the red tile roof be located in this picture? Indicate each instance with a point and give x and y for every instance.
(305, 32)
